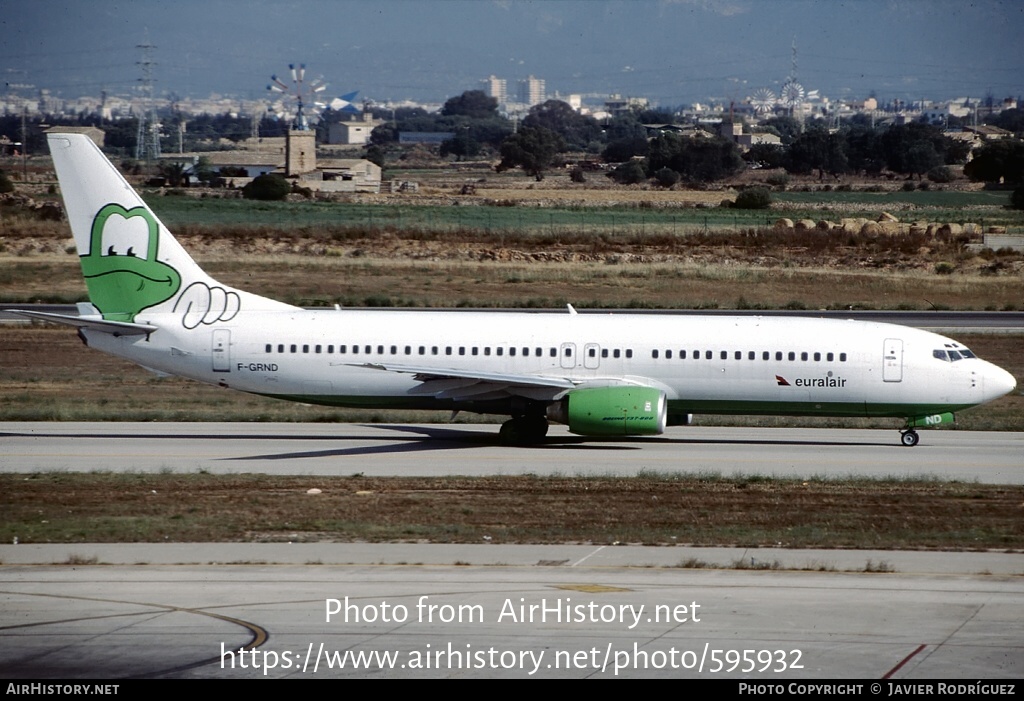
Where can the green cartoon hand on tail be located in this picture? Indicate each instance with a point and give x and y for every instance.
(120, 283)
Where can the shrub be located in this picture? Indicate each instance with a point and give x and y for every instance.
(1017, 198)
(753, 198)
(944, 268)
(666, 177)
(778, 180)
(5, 183)
(267, 187)
(941, 174)
(629, 173)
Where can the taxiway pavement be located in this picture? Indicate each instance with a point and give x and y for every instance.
(418, 621)
(463, 449)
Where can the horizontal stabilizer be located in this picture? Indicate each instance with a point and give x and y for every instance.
(115, 328)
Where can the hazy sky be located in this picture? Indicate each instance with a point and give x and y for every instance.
(672, 51)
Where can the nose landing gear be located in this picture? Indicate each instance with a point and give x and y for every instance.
(909, 437)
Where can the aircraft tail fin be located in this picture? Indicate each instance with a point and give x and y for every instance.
(130, 260)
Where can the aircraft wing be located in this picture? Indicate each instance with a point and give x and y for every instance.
(115, 328)
(465, 385)
(450, 383)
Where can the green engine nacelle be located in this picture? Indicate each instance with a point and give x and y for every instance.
(933, 420)
(612, 411)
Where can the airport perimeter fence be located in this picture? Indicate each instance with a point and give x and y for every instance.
(573, 223)
(548, 222)
(517, 221)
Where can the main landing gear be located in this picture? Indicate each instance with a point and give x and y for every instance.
(909, 438)
(524, 430)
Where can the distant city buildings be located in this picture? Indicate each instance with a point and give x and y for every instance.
(173, 113)
(497, 88)
(531, 91)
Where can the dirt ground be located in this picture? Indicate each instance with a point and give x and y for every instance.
(685, 510)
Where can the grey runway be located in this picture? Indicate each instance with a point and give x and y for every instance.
(463, 449)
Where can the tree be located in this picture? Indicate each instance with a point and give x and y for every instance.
(1011, 120)
(578, 130)
(462, 145)
(624, 126)
(203, 171)
(921, 158)
(622, 150)
(915, 148)
(655, 116)
(1001, 160)
(375, 154)
(1017, 198)
(629, 173)
(173, 172)
(817, 149)
(696, 159)
(531, 148)
(382, 134)
(766, 155)
(786, 127)
(489, 130)
(864, 149)
(474, 104)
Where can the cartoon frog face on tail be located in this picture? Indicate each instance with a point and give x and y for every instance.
(121, 284)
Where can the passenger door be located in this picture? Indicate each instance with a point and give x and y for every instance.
(892, 360)
(221, 350)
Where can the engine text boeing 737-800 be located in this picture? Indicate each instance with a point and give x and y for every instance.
(602, 374)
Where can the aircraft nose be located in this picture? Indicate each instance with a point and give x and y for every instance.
(998, 383)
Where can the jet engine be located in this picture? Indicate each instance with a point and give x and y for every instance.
(612, 411)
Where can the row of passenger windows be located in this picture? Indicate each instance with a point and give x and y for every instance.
(751, 355)
(538, 352)
(525, 351)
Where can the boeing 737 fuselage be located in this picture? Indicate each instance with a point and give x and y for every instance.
(601, 374)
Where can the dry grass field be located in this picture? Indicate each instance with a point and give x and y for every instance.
(653, 510)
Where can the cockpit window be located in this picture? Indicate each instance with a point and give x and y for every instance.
(951, 356)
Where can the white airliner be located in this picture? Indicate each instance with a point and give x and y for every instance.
(602, 374)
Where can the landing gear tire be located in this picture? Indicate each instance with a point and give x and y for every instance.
(909, 438)
(523, 430)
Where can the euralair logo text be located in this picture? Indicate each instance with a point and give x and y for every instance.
(828, 381)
